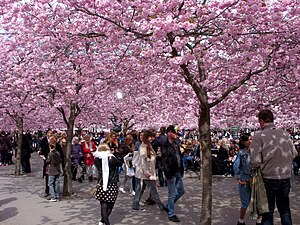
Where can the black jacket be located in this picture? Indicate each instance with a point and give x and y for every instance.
(159, 142)
(169, 159)
(113, 163)
(44, 147)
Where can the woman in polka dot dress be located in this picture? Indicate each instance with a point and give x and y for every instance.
(107, 189)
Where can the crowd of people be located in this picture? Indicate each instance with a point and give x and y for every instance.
(151, 158)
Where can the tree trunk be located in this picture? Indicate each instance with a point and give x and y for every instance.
(19, 123)
(205, 142)
(67, 189)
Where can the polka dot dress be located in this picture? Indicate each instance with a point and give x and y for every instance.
(110, 195)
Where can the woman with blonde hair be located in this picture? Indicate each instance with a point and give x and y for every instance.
(107, 189)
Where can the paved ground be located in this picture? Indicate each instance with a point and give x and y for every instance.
(21, 203)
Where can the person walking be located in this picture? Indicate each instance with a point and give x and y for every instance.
(243, 173)
(173, 170)
(145, 173)
(107, 189)
(273, 151)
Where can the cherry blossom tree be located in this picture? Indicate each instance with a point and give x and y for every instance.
(216, 46)
(174, 60)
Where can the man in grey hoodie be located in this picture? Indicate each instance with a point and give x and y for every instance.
(273, 151)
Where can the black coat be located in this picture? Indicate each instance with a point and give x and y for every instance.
(169, 159)
(113, 163)
(26, 147)
(44, 147)
(159, 142)
(44, 150)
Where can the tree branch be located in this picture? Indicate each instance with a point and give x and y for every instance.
(241, 82)
(130, 30)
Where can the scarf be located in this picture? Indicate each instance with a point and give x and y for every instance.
(88, 145)
(105, 167)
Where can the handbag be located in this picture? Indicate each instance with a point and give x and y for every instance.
(97, 191)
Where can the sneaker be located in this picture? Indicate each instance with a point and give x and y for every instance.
(122, 190)
(174, 219)
(138, 210)
(53, 200)
(132, 193)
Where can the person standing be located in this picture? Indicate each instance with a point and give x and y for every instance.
(107, 189)
(76, 155)
(157, 144)
(26, 152)
(243, 173)
(273, 151)
(126, 147)
(173, 170)
(43, 152)
(53, 161)
(5, 145)
(88, 147)
(63, 144)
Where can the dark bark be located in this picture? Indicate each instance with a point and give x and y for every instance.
(67, 188)
(205, 142)
(19, 123)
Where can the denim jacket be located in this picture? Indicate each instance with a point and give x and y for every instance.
(242, 166)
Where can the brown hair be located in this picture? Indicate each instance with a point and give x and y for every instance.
(128, 140)
(266, 115)
(146, 135)
(52, 146)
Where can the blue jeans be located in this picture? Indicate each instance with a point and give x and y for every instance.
(175, 191)
(53, 183)
(278, 192)
(187, 158)
(245, 194)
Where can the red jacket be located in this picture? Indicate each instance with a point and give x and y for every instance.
(87, 150)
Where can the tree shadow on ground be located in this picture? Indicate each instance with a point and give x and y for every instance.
(82, 208)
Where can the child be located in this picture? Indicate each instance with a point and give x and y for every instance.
(53, 161)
